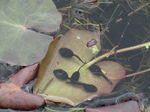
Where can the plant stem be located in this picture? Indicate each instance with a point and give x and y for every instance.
(140, 72)
(87, 65)
(120, 19)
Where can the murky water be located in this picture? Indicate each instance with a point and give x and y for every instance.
(124, 23)
(121, 22)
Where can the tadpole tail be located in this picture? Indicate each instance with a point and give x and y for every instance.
(107, 79)
(74, 82)
(87, 87)
(79, 58)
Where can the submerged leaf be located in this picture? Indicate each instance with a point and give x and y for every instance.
(25, 75)
(13, 97)
(19, 19)
(46, 61)
(88, 85)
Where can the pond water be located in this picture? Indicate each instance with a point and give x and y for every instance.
(125, 23)
(121, 22)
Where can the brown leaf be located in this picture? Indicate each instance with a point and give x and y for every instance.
(55, 89)
(13, 97)
(46, 61)
(130, 106)
(25, 75)
(114, 71)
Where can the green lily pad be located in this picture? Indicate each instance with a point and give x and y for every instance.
(19, 44)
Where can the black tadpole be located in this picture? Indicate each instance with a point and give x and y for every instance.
(87, 87)
(75, 76)
(68, 53)
(96, 70)
(61, 74)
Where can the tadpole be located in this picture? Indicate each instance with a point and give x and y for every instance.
(75, 76)
(87, 87)
(68, 53)
(61, 74)
(96, 70)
